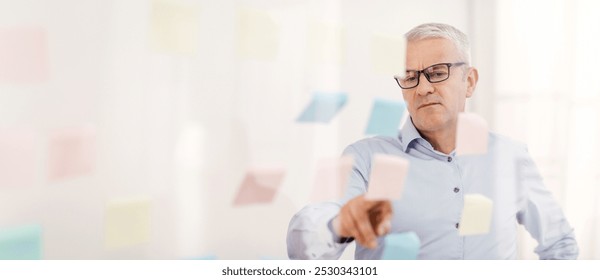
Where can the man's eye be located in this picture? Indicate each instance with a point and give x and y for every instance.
(438, 74)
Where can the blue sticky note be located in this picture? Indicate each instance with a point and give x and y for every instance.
(21, 243)
(401, 246)
(385, 117)
(323, 107)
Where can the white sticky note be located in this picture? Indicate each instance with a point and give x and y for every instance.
(127, 223)
(476, 215)
(325, 43)
(388, 54)
(175, 27)
(331, 178)
(388, 174)
(259, 185)
(471, 135)
(258, 35)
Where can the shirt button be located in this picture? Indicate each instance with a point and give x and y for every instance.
(449, 159)
(456, 190)
(456, 225)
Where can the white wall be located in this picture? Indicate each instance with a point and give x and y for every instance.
(180, 129)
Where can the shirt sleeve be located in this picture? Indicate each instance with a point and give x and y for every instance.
(542, 216)
(309, 235)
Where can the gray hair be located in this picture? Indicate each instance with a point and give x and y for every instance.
(441, 30)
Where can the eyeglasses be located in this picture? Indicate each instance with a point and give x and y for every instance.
(434, 74)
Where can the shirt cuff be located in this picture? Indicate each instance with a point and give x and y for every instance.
(336, 238)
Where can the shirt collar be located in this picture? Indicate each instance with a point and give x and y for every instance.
(408, 134)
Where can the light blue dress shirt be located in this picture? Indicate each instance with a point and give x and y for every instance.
(433, 199)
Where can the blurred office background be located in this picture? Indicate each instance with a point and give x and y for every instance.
(126, 127)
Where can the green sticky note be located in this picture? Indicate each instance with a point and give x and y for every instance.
(401, 246)
(21, 243)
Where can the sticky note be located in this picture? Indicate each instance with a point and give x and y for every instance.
(385, 118)
(259, 185)
(401, 246)
(257, 35)
(17, 158)
(325, 43)
(21, 243)
(23, 55)
(71, 152)
(388, 54)
(323, 107)
(127, 222)
(175, 27)
(331, 178)
(471, 135)
(476, 215)
(388, 174)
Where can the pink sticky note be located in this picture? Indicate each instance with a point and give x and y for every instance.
(387, 177)
(17, 158)
(72, 152)
(23, 55)
(471, 135)
(259, 186)
(332, 178)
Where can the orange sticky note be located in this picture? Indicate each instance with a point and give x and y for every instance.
(72, 152)
(259, 185)
(471, 135)
(388, 174)
(23, 55)
(17, 158)
(331, 178)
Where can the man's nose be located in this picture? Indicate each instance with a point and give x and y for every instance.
(424, 86)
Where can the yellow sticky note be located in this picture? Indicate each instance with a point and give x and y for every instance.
(127, 223)
(388, 54)
(325, 43)
(476, 215)
(175, 27)
(258, 35)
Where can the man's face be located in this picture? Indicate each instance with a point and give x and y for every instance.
(435, 106)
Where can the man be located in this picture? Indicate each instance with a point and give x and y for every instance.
(437, 82)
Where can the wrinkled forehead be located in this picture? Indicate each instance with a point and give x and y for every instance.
(423, 53)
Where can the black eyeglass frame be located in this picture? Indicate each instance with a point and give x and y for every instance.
(449, 65)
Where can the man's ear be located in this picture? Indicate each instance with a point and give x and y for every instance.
(472, 78)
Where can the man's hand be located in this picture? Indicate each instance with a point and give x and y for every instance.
(364, 220)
